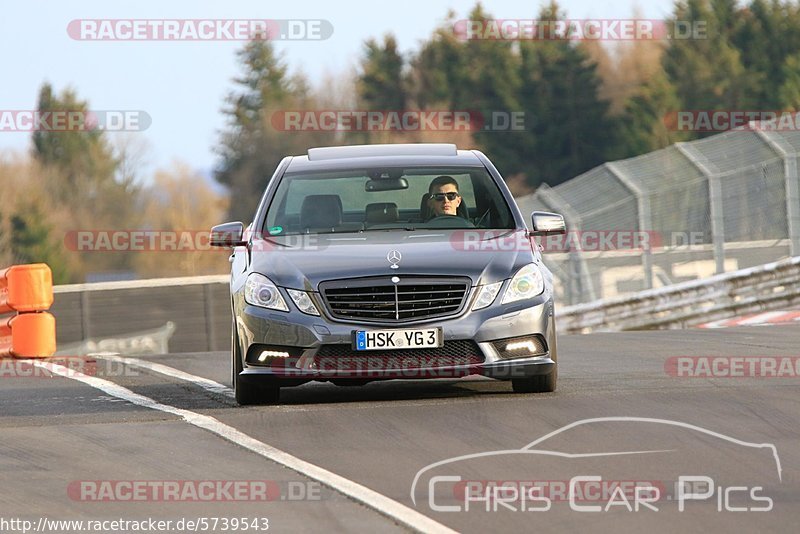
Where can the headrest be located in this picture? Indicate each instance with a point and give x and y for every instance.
(425, 211)
(381, 212)
(321, 211)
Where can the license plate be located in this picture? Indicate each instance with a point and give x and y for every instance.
(397, 339)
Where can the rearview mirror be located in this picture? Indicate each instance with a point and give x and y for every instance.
(230, 234)
(386, 184)
(545, 223)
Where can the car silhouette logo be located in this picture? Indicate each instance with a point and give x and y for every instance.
(534, 448)
(394, 258)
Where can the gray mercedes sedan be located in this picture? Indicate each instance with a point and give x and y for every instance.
(379, 262)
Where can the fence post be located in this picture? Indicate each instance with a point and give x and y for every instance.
(789, 157)
(644, 217)
(714, 200)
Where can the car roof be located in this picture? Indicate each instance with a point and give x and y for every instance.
(389, 155)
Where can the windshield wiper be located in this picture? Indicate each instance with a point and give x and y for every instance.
(406, 228)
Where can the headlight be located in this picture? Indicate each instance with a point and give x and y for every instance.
(303, 301)
(486, 295)
(260, 291)
(526, 284)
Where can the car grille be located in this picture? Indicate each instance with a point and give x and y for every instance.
(379, 299)
(342, 357)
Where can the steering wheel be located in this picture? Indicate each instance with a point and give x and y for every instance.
(448, 220)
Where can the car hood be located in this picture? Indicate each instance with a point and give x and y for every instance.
(303, 261)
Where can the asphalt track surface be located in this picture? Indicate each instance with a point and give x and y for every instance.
(345, 459)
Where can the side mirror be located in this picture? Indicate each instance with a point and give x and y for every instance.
(545, 223)
(229, 234)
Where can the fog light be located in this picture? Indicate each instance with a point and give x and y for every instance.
(527, 345)
(272, 354)
(531, 346)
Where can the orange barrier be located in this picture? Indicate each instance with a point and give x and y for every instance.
(28, 335)
(26, 288)
(28, 291)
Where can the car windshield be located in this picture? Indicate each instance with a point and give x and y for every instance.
(386, 199)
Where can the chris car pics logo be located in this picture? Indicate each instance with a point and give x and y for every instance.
(447, 489)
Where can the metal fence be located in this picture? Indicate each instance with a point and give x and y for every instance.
(705, 207)
(773, 286)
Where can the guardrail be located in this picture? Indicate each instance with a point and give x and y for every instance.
(27, 291)
(153, 341)
(767, 287)
(108, 316)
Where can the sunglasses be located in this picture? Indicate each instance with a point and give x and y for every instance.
(439, 197)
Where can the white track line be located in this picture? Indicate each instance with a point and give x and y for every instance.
(205, 383)
(380, 503)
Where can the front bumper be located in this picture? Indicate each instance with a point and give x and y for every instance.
(259, 329)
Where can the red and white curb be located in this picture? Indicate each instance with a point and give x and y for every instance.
(765, 318)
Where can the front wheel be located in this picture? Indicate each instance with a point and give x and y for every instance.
(536, 384)
(248, 391)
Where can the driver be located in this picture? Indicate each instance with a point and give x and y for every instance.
(444, 198)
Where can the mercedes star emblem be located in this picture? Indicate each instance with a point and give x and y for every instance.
(394, 258)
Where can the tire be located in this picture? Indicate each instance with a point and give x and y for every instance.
(249, 392)
(536, 384)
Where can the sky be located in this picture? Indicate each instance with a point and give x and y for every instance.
(182, 85)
